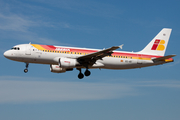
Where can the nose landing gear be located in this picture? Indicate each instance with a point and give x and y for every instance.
(26, 70)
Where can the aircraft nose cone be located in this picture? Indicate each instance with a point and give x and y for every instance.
(6, 54)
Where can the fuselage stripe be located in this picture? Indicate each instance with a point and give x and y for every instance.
(66, 50)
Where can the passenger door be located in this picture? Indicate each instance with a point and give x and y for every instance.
(28, 50)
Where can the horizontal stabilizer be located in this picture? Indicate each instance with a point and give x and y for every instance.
(163, 58)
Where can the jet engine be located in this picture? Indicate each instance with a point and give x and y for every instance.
(57, 69)
(67, 63)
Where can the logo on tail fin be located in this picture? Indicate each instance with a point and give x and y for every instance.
(158, 45)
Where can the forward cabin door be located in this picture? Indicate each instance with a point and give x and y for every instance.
(28, 50)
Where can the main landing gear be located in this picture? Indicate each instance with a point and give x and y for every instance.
(26, 70)
(86, 73)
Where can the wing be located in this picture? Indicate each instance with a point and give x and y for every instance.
(90, 59)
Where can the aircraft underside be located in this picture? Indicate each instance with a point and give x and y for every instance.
(100, 64)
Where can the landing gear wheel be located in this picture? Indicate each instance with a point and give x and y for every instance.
(80, 76)
(87, 73)
(25, 70)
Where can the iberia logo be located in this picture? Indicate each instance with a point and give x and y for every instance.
(158, 45)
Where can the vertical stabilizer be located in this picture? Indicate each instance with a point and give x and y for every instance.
(159, 44)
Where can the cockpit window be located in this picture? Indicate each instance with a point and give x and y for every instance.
(15, 48)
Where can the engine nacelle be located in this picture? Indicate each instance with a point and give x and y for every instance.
(67, 63)
(57, 69)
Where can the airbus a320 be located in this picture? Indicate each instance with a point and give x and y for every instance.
(62, 59)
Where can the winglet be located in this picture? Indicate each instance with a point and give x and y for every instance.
(121, 46)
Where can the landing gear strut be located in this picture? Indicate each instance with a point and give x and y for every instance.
(86, 73)
(26, 70)
(80, 75)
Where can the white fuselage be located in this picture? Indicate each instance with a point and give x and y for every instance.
(29, 54)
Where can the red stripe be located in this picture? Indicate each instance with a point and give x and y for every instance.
(47, 47)
(50, 47)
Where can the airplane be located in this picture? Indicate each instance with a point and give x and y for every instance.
(62, 59)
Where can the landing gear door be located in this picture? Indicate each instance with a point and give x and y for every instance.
(28, 50)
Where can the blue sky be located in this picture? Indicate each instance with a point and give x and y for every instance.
(138, 94)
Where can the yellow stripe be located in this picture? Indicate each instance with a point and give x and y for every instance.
(139, 58)
(37, 46)
(41, 48)
(168, 60)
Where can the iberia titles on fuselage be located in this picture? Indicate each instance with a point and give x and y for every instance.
(62, 59)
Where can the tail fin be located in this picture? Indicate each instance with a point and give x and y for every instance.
(158, 45)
